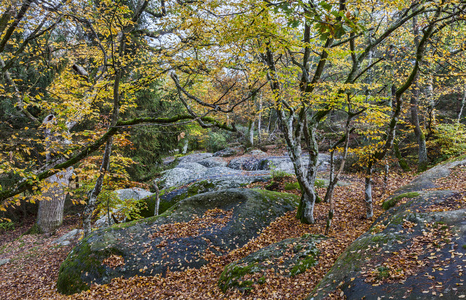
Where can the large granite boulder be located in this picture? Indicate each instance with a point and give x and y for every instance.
(132, 193)
(284, 163)
(416, 250)
(211, 162)
(195, 167)
(170, 197)
(195, 157)
(289, 257)
(247, 163)
(217, 222)
(177, 176)
(226, 152)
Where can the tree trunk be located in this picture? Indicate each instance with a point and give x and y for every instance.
(251, 133)
(51, 208)
(259, 122)
(463, 103)
(368, 192)
(421, 140)
(185, 145)
(420, 137)
(94, 193)
(431, 106)
(157, 199)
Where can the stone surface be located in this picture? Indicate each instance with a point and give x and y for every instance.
(4, 261)
(150, 246)
(290, 257)
(226, 152)
(67, 237)
(248, 163)
(213, 162)
(195, 157)
(176, 176)
(193, 167)
(438, 264)
(133, 193)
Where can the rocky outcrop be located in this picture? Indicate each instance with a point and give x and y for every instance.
(211, 162)
(416, 250)
(226, 152)
(68, 237)
(215, 222)
(202, 166)
(289, 257)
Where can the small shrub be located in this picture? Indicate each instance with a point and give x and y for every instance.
(319, 183)
(450, 140)
(289, 186)
(216, 141)
(6, 226)
(278, 175)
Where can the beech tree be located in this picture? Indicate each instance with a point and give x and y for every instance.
(101, 69)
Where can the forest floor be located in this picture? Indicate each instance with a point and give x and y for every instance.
(34, 260)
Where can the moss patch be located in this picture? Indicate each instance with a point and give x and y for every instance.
(69, 278)
(289, 186)
(393, 201)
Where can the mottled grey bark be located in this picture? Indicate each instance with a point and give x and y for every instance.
(51, 206)
(94, 193)
(420, 137)
(463, 103)
(157, 199)
(368, 192)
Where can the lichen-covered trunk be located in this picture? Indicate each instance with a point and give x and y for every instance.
(157, 199)
(463, 104)
(420, 137)
(307, 179)
(421, 140)
(51, 207)
(185, 146)
(368, 192)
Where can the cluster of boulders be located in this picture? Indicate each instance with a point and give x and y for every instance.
(205, 166)
(231, 217)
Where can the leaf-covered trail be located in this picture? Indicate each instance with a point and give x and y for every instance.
(33, 272)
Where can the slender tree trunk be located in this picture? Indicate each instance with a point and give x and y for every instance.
(420, 137)
(368, 192)
(385, 177)
(431, 106)
(463, 103)
(421, 140)
(104, 168)
(259, 122)
(329, 193)
(157, 199)
(94, 193)
(185, 145)
(251, 133)
(335, 177)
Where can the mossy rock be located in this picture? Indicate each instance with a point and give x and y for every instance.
(171, 196)
(394, 232)
(394, 200)
(291, 256)
(147, 249)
